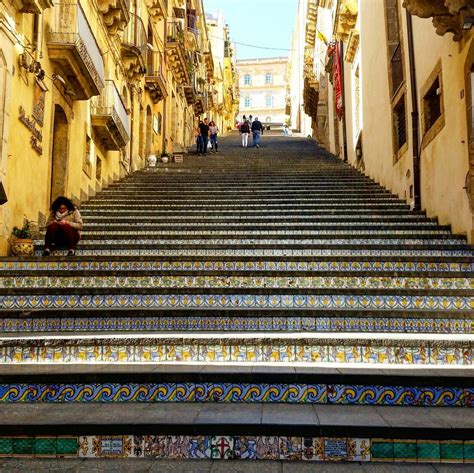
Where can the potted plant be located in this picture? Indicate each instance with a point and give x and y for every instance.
(22, 241)
(165, 156)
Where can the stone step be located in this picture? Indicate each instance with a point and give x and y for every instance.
(237, 320)
(342, 241)
(354, 433)
(457, 267)
(283, 235)
(234, 281)
(308, 349)
(220, 298)
(413, 251)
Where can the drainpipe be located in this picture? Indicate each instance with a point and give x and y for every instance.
(343, 92)
(414, 116)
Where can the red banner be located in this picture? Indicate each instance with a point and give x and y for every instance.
(338, 83)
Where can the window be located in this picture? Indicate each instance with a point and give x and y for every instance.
(247, 79)
(86, 164)
(432, 104)
(268, 78)
(269, 101)
(268, 119)
(399, 124)
(396, 70)
(98, 168)
(247, 102)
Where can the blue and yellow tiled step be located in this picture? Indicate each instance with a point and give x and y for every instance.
(291, 262)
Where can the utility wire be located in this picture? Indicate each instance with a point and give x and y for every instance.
(251, 45)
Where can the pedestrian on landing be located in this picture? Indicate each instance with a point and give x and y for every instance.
(197, 136)
(245, 132)
(204, 131)
(63, 227)
(257, 129)
(213, 130)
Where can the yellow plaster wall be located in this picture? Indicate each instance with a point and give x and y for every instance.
(445, 161)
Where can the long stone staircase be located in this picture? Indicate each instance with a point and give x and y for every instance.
(255, 304)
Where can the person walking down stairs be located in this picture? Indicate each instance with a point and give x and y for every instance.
(63, 226)
(213, 130)
(204, 131)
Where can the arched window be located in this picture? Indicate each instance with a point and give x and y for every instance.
(268, 119)
(268, 78)
(247, 102)
(247, 79)
(268, 101)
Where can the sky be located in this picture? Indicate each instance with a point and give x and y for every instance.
(263, 23)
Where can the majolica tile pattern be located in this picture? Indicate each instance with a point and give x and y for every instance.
(247, 266)
(247, 301)
(245, 282)
(196, 322)
(234, 392)
(248, 350)
(218, 447)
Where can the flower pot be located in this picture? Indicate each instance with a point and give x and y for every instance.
(164, 159)
(22, 246)
(151, 160)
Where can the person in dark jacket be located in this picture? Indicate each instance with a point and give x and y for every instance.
(257, 129)
(204, 132)
(245, 131)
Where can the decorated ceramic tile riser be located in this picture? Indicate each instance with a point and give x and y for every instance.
(119, 234)
(293, 266)
(250, 301)
(398, 352)
(202, 281)
(110, 243)
(238, 252)
(219, 447)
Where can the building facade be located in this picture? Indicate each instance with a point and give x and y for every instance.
(392, 96)
(262, 85)
(89, 89)
(225, 81)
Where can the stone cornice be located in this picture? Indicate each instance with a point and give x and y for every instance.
(448, 15)
(346, 18)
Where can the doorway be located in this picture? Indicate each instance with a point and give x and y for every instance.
(59, 160)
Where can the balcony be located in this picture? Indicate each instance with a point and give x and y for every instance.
(34, 6)
(109, 118)
(115, 14)
(158, 9)
(134, 48)
(176, 52)
(155, 81)
(72, 48)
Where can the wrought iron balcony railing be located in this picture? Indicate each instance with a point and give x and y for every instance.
(72, 45)
(155, 80)
(109, 118)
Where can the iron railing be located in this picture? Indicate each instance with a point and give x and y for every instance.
(134, 36)
(69, 26)
(109, 103)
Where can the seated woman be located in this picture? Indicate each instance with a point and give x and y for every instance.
(63, 226)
